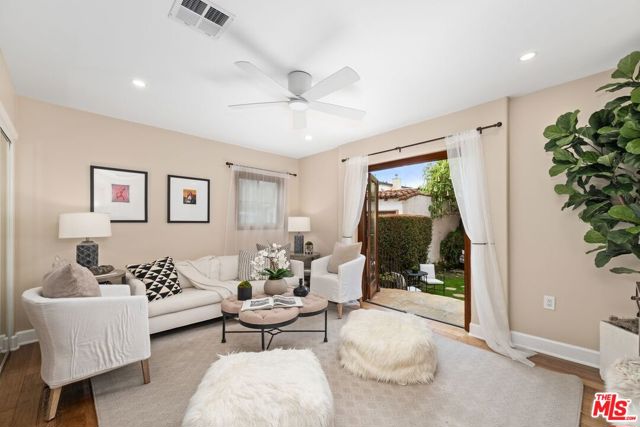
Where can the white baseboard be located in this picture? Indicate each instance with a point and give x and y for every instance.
(561, 350)
(20, 338)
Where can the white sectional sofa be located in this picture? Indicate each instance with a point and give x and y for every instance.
(194, 304)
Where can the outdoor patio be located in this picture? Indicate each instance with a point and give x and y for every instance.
(442, 308)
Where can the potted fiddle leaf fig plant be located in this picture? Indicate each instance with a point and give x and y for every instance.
(601, 163)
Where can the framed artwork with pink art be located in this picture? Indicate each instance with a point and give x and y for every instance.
(121, 193)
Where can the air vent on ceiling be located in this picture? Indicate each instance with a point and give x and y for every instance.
(202, 16)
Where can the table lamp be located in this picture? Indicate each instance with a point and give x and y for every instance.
(85, 225)
(299, 225)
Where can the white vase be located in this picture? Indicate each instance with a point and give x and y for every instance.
(275, 287)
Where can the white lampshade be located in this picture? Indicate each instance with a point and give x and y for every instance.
(299, 224)
(84, 225)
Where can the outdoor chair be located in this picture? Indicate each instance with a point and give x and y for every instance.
(430, 279)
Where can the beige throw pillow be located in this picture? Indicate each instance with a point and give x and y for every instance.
(343, 253)
(70, 281)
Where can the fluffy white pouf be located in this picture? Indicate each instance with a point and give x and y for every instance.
(623, 377)
(388, 346)
(279, 388)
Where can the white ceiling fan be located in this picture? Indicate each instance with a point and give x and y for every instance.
(301, 95)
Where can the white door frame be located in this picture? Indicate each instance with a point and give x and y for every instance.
(7, 126)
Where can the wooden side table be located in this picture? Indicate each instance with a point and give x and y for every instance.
(112, 277)
(306, 258)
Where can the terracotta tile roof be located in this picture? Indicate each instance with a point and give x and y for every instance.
(402, 194)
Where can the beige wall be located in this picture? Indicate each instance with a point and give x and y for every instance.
(546, 247)
(57, 145)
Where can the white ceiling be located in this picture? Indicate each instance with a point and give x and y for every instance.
(417, 59)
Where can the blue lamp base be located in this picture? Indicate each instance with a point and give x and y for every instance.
(298, 243)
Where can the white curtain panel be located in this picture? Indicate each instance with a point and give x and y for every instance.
(355, 185)
(466, 164)
(256, 209)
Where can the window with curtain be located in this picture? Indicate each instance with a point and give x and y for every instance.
(259, 201)
(256, 210)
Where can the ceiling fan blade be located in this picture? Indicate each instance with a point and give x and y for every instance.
(299, 119)
(251, 105)
(334, 82)
(338, 110)
(256, 72)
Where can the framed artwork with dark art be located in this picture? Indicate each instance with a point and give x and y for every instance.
(121, 193)
(188, 199)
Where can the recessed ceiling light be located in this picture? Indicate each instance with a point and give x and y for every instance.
(527, 56)
(308, 137)
(139, 83)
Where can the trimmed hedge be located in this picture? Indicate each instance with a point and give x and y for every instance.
(451, 248)
(403, 241)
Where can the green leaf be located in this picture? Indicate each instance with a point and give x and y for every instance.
(592, 210)
(607, 159)
(607, 130)
(627, 66)
(607, 86)
(592, 236)
(564, 156)
(558, 169)
(620, 237)
(564, 189)
(565, 141)
(630, 130)
(602, 258)
(633, 146)
(550, 146)
(623, 270)
(623, 213)
(633, 230)
(590, 156)
(567, 122)
(617, 102)
(553, 132)
(635, 95)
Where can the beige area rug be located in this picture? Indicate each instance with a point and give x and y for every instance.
(444, 309)
(473, 387)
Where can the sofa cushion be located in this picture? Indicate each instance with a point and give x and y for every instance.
(70, 281)
(160, 277)
(245, 268)
(189, 298)
(342, 254)
(228, 267)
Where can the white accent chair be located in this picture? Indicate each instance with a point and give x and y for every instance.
(339, 288)
(431, 280)
(83, 337)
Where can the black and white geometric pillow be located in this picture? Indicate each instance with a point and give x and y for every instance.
(159, 277)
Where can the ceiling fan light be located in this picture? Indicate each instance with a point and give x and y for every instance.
(298, 105)
(308, 137)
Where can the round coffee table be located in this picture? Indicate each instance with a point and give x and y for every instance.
(271, 321)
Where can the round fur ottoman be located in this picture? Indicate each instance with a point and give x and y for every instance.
(388, 346)
(623, 377)
(277, 388)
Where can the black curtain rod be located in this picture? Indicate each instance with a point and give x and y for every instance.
(479, 129)
(260, 169)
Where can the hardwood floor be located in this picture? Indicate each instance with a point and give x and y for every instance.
(23, 394)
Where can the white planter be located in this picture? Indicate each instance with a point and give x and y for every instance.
(615, 343)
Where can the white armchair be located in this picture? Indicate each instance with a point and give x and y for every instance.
(83, 337)
(339, 288)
